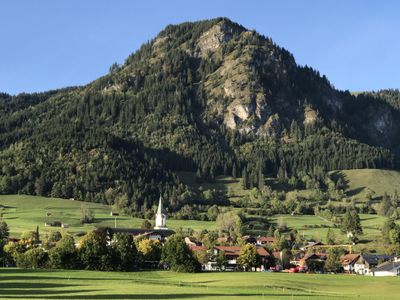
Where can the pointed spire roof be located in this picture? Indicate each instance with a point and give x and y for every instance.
(160, 207)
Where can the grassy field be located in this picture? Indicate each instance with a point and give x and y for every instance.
(371, 225)
(40, 284)
(23, 213)
(360, 180)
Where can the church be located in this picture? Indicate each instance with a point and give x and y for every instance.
(159, 232)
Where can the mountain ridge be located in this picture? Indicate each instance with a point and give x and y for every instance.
(207, 96)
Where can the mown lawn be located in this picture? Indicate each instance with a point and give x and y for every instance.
(24, 213)
(29, 284)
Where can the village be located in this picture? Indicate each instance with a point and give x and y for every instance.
(245, 253)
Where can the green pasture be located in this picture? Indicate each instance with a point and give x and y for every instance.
(40, 284)
(22, 213)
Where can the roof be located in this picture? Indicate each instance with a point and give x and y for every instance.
(198, 248)
(314, 256)
(266, 239)
(160, 207)
(349, 259)
(262, 252)
(276, 254)
(313, 244)
(235, 250)
(374, 259)
(386, 266)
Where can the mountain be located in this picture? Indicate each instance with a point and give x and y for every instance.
(210, 97)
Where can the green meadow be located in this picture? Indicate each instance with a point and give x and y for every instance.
(23, 213)
(359, 181)
(41, 284)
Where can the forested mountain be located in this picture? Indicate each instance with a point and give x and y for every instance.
(210, 97)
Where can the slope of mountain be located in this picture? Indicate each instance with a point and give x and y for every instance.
(208, 96)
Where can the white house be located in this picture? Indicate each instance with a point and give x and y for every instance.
(389, 268)
(366, 262)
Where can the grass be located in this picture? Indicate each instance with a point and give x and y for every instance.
(23, 213)
(26, 212)
(371, 225)
(379, 181)
(33, 284)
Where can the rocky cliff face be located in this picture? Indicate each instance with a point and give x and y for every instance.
(255, 87)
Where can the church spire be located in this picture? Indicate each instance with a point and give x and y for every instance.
(161, 217)
(160, 207)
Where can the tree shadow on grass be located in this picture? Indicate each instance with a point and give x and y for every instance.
(180, 296)
(18, 293)
(354, 192)
(32, 285)
(28, 289)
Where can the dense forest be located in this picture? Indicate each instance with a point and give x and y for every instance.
(209, 97)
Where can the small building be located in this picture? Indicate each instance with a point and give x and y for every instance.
(114, 214)
(389, 268)
(265, 240)
(366, 262)
(348, 261)
(310, 261)
(231, 255)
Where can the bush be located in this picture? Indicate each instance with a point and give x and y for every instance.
(64, 254)
(32, 259)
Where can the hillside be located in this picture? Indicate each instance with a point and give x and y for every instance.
(363, 181)
(209, 97)
(23, 213)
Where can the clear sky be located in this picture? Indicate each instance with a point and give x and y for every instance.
(49, 44)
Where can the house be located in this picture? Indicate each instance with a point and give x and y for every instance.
(231, 254)
(268, 240)
(348, 261)
(389, 268)
(309, 261)
(366, 262)
(265, 240)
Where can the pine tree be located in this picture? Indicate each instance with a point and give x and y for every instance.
(234, 175)
(261, 181)
(330, 237)
(245, 179)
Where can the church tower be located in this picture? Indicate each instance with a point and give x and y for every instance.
(161, 217)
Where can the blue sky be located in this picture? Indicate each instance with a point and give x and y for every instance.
(48, 44)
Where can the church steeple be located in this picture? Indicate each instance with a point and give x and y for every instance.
(161, 218)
